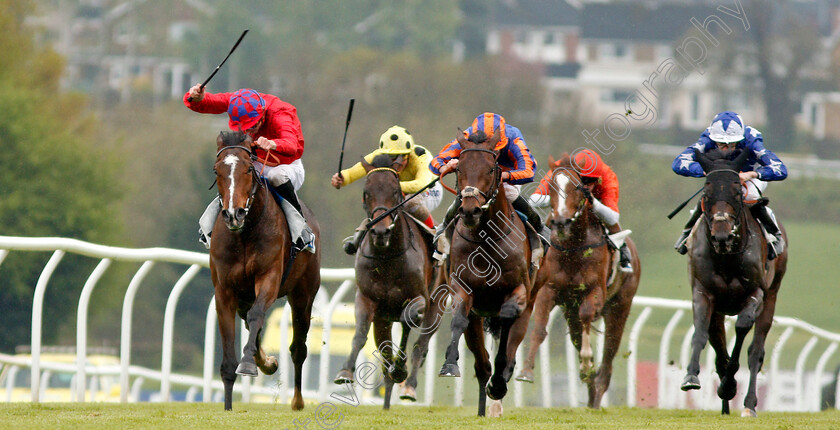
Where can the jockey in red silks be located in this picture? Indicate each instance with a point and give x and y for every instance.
(600, 185)
(728, 134)
(278, 143)
(515, 159)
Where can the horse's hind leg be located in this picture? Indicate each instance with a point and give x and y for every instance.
(225, 309)
(364, 315)
(460, 322)
(756, 350)
(389, 355)
(702, 307)
(301, 301)
(746, 318)
(542, 309)
(514, 310)
(474, 338)
(431, 321)
(717, 339)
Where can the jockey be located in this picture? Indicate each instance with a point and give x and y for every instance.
(515, 159)
(278, 142)
(728, 133)
(414, 174)
(601, 188)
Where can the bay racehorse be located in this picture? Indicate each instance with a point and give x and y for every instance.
(252, 264)
(395, 274)
(490, 282)
(730, 275)
(580, 274)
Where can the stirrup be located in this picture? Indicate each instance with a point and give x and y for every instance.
(204, 239)
(681, 245)
(350, 247)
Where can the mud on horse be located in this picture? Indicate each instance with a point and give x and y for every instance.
(580, 274)
(395, 275)
(730, 275)
(489, 261)
(252, 264)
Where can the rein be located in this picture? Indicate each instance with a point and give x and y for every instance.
(574, 218)
(470, 191)
(738, 220)
(257, 179)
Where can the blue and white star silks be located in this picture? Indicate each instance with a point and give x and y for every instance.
(761, 160)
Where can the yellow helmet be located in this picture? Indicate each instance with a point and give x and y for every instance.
(396, 140)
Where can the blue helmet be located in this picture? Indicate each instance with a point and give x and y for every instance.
(727, 127)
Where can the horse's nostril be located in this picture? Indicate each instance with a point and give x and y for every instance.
(240, 213)
(226, 215)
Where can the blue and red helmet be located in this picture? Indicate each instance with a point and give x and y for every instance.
(245, 109)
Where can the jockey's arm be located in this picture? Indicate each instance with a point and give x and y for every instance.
(287, 144)
(772, 168)
(523, 172)
(420, 165)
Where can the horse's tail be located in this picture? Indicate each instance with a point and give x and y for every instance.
(493, 325)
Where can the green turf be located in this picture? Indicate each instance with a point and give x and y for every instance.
(266, 416)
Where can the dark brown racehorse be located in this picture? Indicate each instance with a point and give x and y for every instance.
(730, 275)
(489, 260)
(575, 274)
(250, 257)
(394, 274)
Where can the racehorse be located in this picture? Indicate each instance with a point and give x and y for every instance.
(252, 264)
(394, 268)
(730, 275)
(490, 282)
(579, 273)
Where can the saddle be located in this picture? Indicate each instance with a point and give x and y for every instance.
(427, 233)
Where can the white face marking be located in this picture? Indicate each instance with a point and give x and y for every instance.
(231, 161)
(560, 181)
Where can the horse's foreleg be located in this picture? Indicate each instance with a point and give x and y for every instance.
(589, 309)
(301, 301)
(746, 319)
(460, 321)
(542, 309)
(266, 289)
(615, 317)
(474, 338)
(365, 309)
(717, 340)
(702, 307)
(431, 319)
(225, 309)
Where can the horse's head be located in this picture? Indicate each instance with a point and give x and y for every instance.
(723, 200)
(568, 201)
(479, 175)
(235, 176)
(382, 192)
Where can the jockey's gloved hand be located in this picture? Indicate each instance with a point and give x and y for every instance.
(588, 194)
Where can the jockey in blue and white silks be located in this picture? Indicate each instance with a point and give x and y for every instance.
(728, 134)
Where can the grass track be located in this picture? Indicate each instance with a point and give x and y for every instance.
(266, 416)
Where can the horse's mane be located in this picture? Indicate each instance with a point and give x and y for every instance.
(232, 138)
(565, 161)
(382, 160)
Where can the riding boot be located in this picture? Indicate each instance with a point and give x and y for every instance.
(625, 259)
(522, 205)
(764, 215)
(680, 246)
(287, 191)
(208, 218)
(440, 240)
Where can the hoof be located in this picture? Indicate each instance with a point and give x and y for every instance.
(727, 390)
(496, 391)
(748, 413)
(270, 366)
(691, 382)
(398, 374)
(246, 369)
(345, 376)
(450, 371)
(526, 376)
(409, 393)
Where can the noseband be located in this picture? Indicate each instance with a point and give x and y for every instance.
(372, 212)
(257, 180)
(470, 191)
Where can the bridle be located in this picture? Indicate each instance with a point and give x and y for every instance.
(582, 204)
(371, 213)
(256, 183)
(470, 191)
(580, 209)
(735, 219)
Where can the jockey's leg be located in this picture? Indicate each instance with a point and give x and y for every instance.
(287, 191)
(351, 243)
(207, 220)
(695, 215)
(610, 217)
(625, 259)
(417, 208)
(522, 205)
(286, 179)
(765, 216)
(447, 219)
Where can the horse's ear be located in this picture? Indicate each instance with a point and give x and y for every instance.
(398, 163)
(248, 140)
(220, 140)
(738, 162)
(368, 167)
(495, 138)
(551, 161)
(704, 161)
(460, 137)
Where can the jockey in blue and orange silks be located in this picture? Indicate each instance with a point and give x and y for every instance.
(728, 133)
(515, 159)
